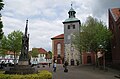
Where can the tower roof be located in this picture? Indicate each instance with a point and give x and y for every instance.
(71, 9)
(71, 20)
(72, 17)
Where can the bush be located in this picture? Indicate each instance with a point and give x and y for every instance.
(41, 75)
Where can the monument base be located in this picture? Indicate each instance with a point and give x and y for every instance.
(21, 69)
(23, 63)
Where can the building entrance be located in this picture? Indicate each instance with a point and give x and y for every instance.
(89, 60)
(72, 61)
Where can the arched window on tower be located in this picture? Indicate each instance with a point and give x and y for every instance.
(58, 48)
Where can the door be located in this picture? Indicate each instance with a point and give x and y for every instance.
(89, 60)
(72, 62)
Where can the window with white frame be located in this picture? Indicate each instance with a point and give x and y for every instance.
(58, 48)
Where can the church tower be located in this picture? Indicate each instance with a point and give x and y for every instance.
(71, 26)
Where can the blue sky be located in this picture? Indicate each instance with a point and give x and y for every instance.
(46, 16)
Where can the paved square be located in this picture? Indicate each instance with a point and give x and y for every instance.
(81, 72)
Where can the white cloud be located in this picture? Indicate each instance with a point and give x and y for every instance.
(12, 24)
(46, 16)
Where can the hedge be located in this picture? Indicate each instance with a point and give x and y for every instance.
(41, 75)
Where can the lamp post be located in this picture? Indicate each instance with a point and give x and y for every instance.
(102, 55)
(0, 17)
(0, 21)
(1, 32)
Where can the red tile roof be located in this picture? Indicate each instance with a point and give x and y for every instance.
(115, 13)
(61, 36)
(9, 53)
(42, 51)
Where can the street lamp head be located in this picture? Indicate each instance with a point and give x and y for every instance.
(100, 46)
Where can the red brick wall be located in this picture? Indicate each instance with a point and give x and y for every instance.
(85, 59)
(114, 26)
(55, 42)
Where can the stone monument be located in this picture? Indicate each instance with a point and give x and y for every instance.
(24, 58)
(23, 66)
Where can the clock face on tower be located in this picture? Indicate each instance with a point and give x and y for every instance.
(68, 37)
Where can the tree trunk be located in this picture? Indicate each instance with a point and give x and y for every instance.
(80, 57)
(96, 60)
(14, 58)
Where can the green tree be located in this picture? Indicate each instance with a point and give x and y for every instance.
(2, 52)
(1, 5)
(3, 46)
(12, 42)
(93, 35)
(15, 42)
(50, 54)
(1, 25)
(35, 52)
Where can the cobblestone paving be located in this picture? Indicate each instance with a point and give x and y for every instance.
(81, 72)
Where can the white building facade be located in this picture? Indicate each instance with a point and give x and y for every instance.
(8, 58)
(41, 57)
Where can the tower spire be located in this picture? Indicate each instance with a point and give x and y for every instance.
(71, 12)
(71, 4)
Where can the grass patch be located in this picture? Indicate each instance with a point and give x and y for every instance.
(2, 71)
